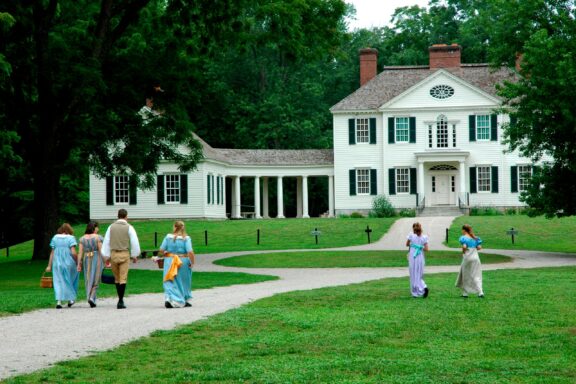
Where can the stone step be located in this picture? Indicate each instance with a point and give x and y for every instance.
(440, 211)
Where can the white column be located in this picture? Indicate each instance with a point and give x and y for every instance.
(280, 198)
(298, 197)
(265, 198)
(232, 198)
(237, 205)
(330, 196)
(420, 182)
(305, 197)
(462, 177)
(257, 198)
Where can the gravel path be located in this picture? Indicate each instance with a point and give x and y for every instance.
(38, 339)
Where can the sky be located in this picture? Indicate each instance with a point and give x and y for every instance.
(377, 13)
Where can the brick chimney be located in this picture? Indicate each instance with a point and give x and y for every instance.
(444, 56)
(368, 64)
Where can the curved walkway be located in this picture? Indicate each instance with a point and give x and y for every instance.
(37, 339)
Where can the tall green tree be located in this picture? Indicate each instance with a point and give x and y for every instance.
(74, 74)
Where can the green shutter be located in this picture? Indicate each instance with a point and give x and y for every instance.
(109, 190)
(473, 180)
(494, 179)
(412, 129)
(209, 189)
(352, 180)
(372, 130)
(391, 139)
(494, 127)
(160, 189)
(373, 182)
(391, 181)
(132, 190)
(183, 189)
(514, 179)
(222, 185)
(413, 181)
(351, 131)
(472, 127)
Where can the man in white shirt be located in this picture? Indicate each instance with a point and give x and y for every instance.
(120, 244)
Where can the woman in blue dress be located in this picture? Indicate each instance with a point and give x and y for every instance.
(470, 276)
(90, 259)
(62, 263)
(178, 263)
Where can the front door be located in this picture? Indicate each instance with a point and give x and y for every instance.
(441, 189)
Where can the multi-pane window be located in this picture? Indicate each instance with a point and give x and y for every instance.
(454, 135)
(442, 132)
(121, 189)
(172, 187)
(402, 180)
(430, 136)
(483, 178)
(433, 183)
(363, 181)
(483, 127)
(402, 129)
(362, 131)
(524, 174)
(453, 183)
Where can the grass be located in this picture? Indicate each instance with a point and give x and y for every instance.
(535, 233)
(374, 332)
(20, 285)
(241, 235)
(342, 259)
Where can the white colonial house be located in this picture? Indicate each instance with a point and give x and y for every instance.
(425, 136)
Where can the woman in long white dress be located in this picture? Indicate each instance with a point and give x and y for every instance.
(470, 276)
(418, 244)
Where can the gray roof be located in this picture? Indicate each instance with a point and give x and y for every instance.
(394, 80)
(271, 157)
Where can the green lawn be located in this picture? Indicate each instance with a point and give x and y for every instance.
(20, 285)
(535, 233)
(241, 235)
(523, 332)
(346, 259)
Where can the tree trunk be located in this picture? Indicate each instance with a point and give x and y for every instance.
(46, 208)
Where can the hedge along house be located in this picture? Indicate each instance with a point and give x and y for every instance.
(203, 193)
(425, 136)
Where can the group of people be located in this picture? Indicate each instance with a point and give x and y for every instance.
(470, 276)
(114, 250)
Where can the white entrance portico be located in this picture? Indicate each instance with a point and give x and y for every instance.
(444, 177)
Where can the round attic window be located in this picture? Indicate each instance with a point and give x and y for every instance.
(441, 91)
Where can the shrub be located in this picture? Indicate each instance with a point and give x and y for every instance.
(405, 212)
(485, 211)
(343, 216)
(356, 215)
(382, 207)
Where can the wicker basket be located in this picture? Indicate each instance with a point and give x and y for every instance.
(161, 263)
(46, 281)
(107, 277)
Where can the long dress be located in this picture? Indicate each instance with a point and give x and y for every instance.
(177, 291)
(64, 273)
(416, 264)
(93, 264)
(470, 277)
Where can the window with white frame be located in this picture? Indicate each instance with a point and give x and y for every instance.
(484, 179)
(524, 175)
(402, 180)
(121, 189)
(402, 129)
(172, 188)
(442, 132)
(430, 136)
(483, 127)
(454, 135)
(362, 181)
(362, 131)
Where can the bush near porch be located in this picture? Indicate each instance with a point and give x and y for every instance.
(240, 235)
(534, 233)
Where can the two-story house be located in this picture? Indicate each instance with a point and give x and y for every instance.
(425, 136)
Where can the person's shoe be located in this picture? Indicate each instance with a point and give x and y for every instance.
(168, 305)
(464, 296)
(58, 306)
(120, 305)
(481, 296)
(71, 303)
(92, 304)
(187, 304)
(426, 291)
